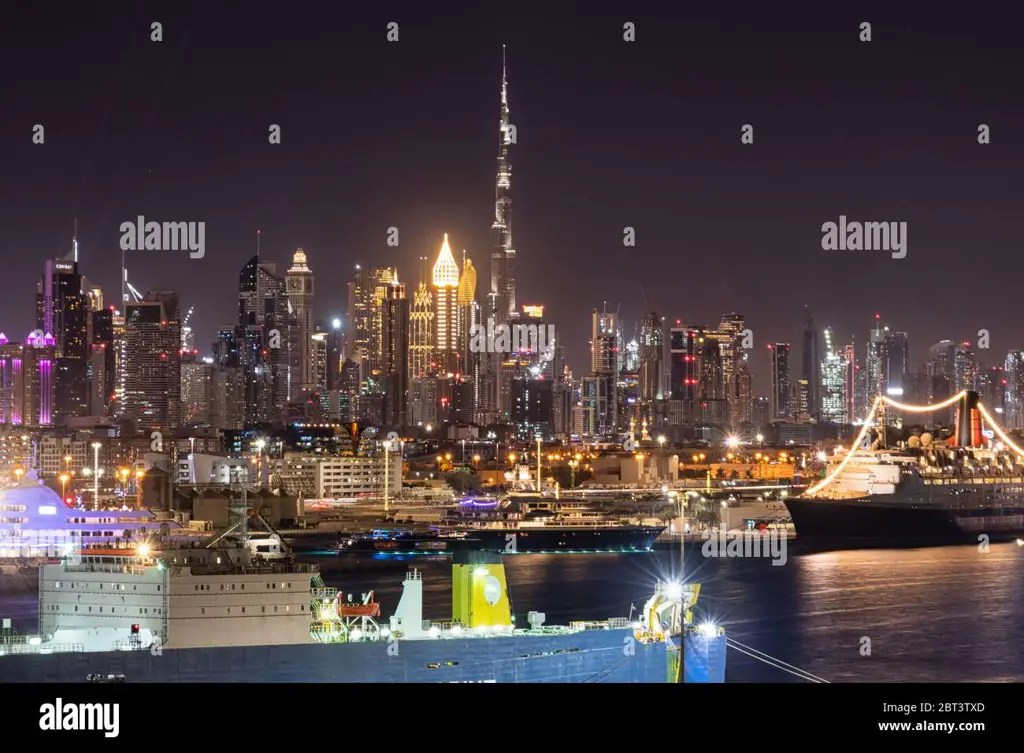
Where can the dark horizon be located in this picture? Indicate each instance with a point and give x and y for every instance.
(609, 134)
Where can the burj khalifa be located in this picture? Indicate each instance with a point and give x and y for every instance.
(503, 255)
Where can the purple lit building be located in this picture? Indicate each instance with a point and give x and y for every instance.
(27, 380)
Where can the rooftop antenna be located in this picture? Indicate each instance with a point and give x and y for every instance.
(257, 247)
(75, 241)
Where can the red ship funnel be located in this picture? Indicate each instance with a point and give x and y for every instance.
(968, 422)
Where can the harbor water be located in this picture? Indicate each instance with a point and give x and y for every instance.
(953, 614)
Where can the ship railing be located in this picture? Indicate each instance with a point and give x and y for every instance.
(130, 645)
(276, 568)
(11, 649)
(323, 594)
(101, 568)
(615, 623)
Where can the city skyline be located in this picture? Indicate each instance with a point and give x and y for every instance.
(554, 161)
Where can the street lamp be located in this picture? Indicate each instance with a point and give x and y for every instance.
(18, 473)
(661, 441)
(96, 474)
(123, 473)
(64, 486)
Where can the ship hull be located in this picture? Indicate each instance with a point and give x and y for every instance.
(563, 539)
(704, 658)
(868, 522)
(585, 656)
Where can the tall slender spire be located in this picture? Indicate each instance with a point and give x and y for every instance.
(504, 79)
(503, 286)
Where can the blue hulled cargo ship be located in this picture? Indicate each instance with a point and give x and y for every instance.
(230, 615)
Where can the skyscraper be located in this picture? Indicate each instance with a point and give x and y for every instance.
(469, 312)
(446, 292)
(395, 367)
(810, 367)
(264, 337)
(153, 344)
(732, 327)
(360, 304)
(779, 398)
(62, 310)
(652, 349)
(897, 362)
(302, 367)
(103, 362)
(876, 362)
(421, 332)
(503, 283)
(603, 364)
(833, 383)
(27, 385)
(1013, 406)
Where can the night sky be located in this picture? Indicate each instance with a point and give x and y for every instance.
(610, 134)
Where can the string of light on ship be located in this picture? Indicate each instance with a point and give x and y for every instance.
(909, 409)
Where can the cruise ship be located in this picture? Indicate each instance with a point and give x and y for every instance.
(968, 488)
(35, 523)
(230, 614)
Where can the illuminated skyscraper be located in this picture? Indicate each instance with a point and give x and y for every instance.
(153, 344)
(604, 364)
(302, 368)
(1013, 405)
(732, 326)
(360, 304)
(27, 385)
(652, 356)
(503, 255)
(422, 331)
(62, 310)
(446, 291)
(264, 337)
(469, 311)
(833, 407)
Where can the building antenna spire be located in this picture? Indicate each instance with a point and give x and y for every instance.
(74, 241)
